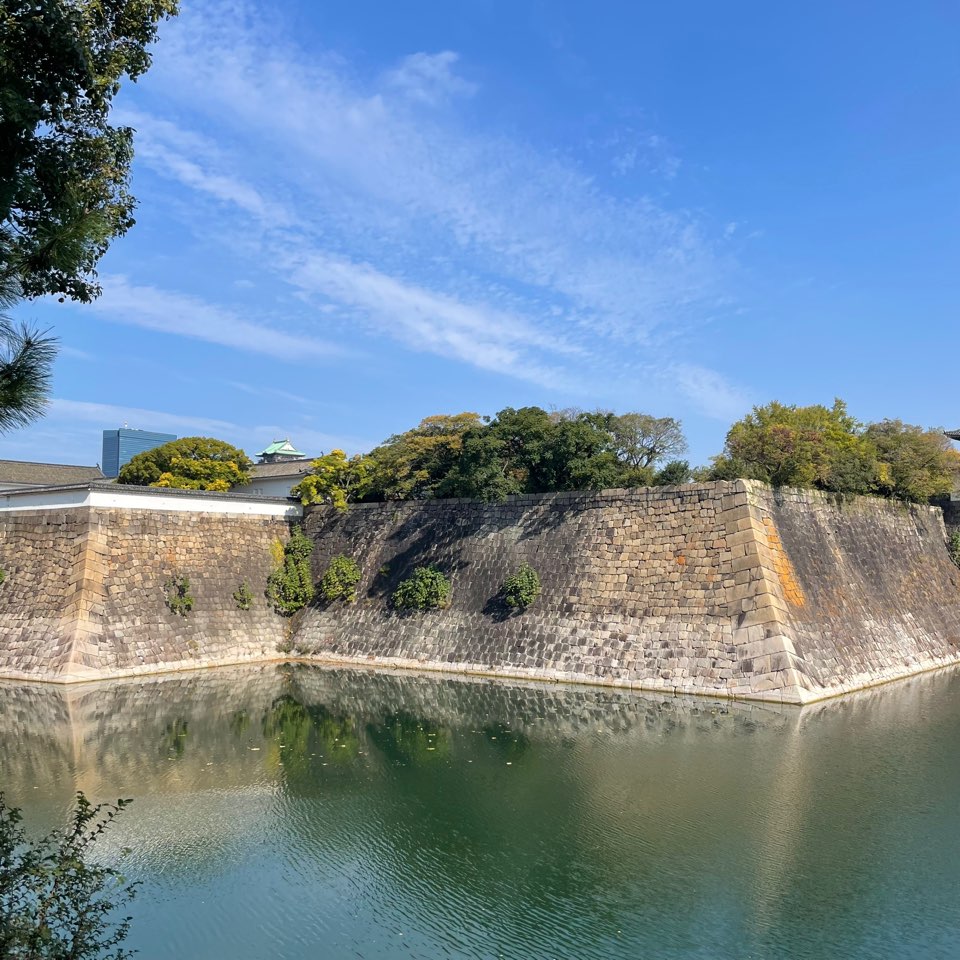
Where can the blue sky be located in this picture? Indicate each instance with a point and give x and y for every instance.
(356, 215)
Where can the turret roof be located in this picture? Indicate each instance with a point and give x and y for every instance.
(283, 447)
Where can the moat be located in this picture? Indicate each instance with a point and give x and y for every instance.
(293, 812)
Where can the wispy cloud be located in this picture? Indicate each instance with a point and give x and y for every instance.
(474, 246)
(108, 414)
(712, 394)
(188, 316)
(255, 390)
(429, 78)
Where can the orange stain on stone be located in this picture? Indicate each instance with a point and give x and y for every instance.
(792, 591)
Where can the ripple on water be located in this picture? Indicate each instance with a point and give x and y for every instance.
(302, 813)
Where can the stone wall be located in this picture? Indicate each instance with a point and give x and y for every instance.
(867, 589)
(720, 588)
(727, 589)
(85, 590)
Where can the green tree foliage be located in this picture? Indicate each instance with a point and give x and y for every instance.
(641, 440)
(953, 548)
(813, 446)
(64, 169)
(191, 463)
(290, 586)
(672, 474)
(409, 465)
(522, 588)
(335, 480)
(56, 901)
(532, 451)
(340, 580)
(426, 589)
(915, 464)
(826, 448)
(26, 364)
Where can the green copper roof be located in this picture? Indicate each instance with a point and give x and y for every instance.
(284, 447)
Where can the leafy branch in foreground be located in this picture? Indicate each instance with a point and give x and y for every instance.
(54, 903)
(26, 363)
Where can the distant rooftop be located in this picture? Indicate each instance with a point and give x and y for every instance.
(953, 434)
(288, 468)
(280, 450)
(25, 473)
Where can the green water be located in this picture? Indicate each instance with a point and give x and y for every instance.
(296, 812)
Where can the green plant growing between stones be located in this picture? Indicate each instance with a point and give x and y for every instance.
(242, 596)
(179, 598)
(427, 589)
(953, 548)
(290, 586)
(520, 590)
(3, 575)
(340, 581)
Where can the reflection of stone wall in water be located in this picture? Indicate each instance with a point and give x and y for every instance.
(85, 591)
(725, 587)
(125, 734)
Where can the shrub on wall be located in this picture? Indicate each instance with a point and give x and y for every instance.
(290, 586)
(953, 547)
(243, 597)
(520, 590)
(340, 581)
(427, 589)
(179, 598)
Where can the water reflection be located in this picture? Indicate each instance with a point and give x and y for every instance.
(278, 808)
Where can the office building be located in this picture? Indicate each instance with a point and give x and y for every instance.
(120, 446)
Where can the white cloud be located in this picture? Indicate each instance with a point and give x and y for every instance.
(429, 78)
(471, 246)
(110, 416)
(188, 316)
(428, 321)
(711, 393)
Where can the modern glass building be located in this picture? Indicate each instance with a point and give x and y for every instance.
(119, 446)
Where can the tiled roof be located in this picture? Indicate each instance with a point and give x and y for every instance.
(282, 447)
(45, 474)
(288, 468)
(954, 434)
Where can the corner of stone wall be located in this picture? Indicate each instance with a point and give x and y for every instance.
(82, 622)
(757, 602)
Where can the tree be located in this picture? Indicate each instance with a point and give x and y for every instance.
(64, 169)
(335, 480)
(411, 465)
(26, 360)
(813, 446)
(290, 587)
(190, 463)
(55, 904)
(641, 440)
(673, 474)
(915, 464)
